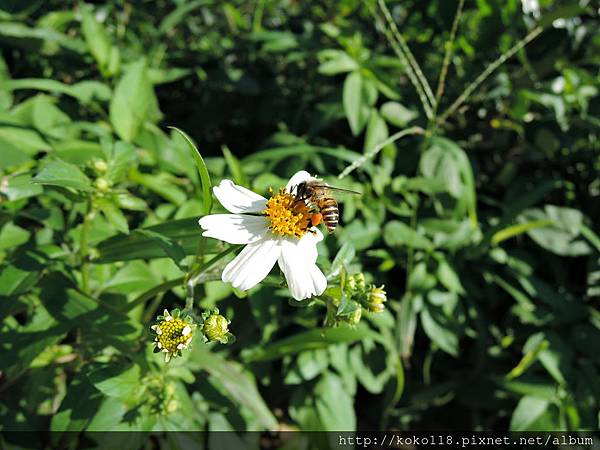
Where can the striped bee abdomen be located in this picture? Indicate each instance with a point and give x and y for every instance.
(328, 207)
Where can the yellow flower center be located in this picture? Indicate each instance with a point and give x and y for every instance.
(288, 216)
(174, 335)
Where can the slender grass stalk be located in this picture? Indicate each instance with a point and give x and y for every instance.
(448, 56)
(406, 50)
(487, 72)
(373, 152)
(412, 75)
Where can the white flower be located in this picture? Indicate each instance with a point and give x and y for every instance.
(275, 230)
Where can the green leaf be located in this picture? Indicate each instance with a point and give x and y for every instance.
(237, 384)
(308, 340)
(162, 184)
(11, 155)
(12, 235)
(202, 170)
(121, 157)
(355, 105)
(116, 380)
(562, 237)
(98, 42)
(83, 91)
(337, 61)
(344, 256)
(113, 214)
(398, 234)
(60, 173)
(235, 168)
(334, 406)
(184, 232)
(171, 248)
(397, 114)
(447, 162)
(133, 102)
(19, 187)
(449, 278)
(439, 330)
(377, 132)
(527, 412)
(73, 413)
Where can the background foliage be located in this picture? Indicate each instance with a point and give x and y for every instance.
(481, 223)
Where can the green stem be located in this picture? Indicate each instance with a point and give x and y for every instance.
(373, 152)
(195, 276)
(413, 65)
(410, 255)
(412, 75)
(447, 57)
(83, 247)
(487, 72)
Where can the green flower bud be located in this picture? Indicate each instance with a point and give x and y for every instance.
(102, 184)
(354, 317)
(100, 166)
(360, 281)
(216, 328)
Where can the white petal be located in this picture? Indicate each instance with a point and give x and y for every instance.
(238, 199)
(234, 228)
(303, 277)
(186, 330)
(252, 265)
(308, 244)
(296, 179)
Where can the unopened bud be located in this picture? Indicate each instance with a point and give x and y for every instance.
(102, 184)
(360, 281)
(100, 166)
(354, 316)
(216, 328)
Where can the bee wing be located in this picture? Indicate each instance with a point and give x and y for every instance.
(336, 189)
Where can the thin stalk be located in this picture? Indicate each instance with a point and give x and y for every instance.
(373, 152)
(83, 247)
(409, 56)
(195, 277)
(412, 75)
(410, 255)
(487, 72)
(447, 56)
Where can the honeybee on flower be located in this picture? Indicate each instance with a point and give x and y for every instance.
(279, 230)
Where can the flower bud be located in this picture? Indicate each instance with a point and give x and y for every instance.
(102, 184)
(377, 297)
(100, 166)
(354, 316)
(360, 281)
(216, 328)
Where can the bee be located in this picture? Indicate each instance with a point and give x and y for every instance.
(317, 193)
